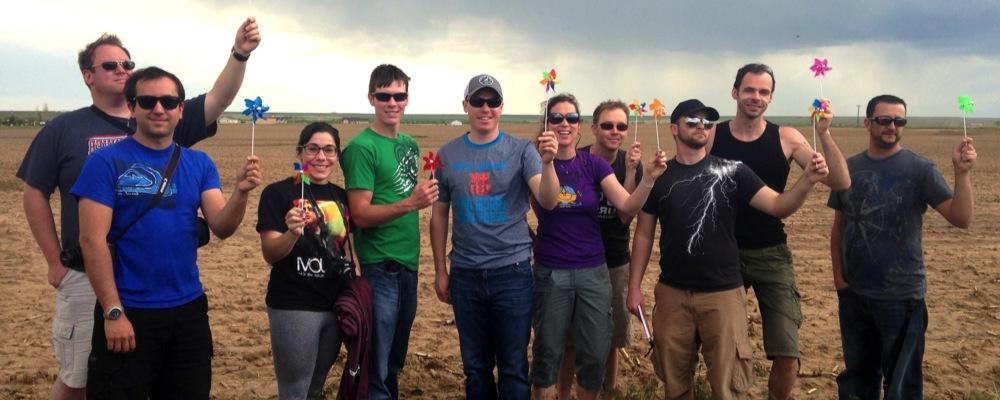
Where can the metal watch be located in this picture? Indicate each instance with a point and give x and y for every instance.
(114, 313)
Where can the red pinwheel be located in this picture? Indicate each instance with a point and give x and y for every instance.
(432, 162)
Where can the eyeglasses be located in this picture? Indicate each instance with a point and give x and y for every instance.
(885, 121)
(557, 118)
(313, 149)
(622, 127)
(127, 65)
(692, 122)
(384, 97)
(149, 102)
(479, 101)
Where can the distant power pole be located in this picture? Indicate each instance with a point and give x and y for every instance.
(859, 116)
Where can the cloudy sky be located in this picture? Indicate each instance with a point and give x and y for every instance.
(316, 55)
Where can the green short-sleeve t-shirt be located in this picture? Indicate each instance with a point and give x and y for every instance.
(388, 168)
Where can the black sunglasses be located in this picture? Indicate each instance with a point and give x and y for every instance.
(885, 121)
(384, 97)
(557, 118)
(692, 122)
(149, 102)
(127, 65)
(609, 126)
(479, 101)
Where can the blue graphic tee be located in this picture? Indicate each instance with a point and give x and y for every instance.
(487, 186)
(155, 262)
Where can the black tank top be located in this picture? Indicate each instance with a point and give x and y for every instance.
(755, 229)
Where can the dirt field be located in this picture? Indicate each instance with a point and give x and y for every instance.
(962, 358)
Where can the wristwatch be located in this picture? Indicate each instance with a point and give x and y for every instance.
(114, 313)
(239, 57)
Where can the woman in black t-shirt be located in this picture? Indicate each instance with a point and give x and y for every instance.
(304, 232)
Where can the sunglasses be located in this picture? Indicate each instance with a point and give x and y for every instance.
(149, 102)
(127, 65)
(692, 122)
(885, 121)
(313, 149)
(611, 126)
(384, 97)
(479, 101)
(557, 118)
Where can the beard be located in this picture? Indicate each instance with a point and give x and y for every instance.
(692, 141)
(883, 144)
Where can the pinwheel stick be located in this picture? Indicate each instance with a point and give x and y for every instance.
(253, 135)
(645, 326)
(814, 130)
(656, 125)
(545, 114)
(965, 132)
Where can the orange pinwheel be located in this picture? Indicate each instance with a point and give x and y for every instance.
(659, 111)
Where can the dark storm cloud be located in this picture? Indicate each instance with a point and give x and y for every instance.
(966, 27)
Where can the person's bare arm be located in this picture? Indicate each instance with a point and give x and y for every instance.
(837, 258)
(801, 152)
(227, 85)
(958, 209)
(545, 186)
(224, 216)
(367, 215)
(439, 239)
(95, 223)
(633, 158)
(38, 213)
(631, 203)
(642, 247)
(276, 245)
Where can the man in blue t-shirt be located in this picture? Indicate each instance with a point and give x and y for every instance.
(878, 264)
(151, 322)
(54, 161)
(487, 176)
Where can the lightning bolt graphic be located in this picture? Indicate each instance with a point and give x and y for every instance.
(719, 177)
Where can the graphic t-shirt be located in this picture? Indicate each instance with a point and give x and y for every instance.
(487, 186)
(569, 236)
(57, 153)
(307, 278)
(696, 205)
(155, 262)
(387, 168)
(884, 210)
(615, 233)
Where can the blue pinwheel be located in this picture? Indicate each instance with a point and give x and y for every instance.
(255, 109)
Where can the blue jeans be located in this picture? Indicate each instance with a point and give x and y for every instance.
(394, 305)
(493, 315)
(882, 339)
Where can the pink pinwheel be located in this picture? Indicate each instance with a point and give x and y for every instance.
(819, 67)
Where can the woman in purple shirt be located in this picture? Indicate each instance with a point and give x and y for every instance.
(572, 288)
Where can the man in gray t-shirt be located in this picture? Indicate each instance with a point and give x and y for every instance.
(878, 265)
(485, 179)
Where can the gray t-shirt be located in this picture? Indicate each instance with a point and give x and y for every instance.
(883, 211)
(487, 186)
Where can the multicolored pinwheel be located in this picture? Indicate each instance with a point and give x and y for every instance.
(968, 107)
(820, 108)
(659, 111)
(255, 109)
(432, 162)
(549, 80)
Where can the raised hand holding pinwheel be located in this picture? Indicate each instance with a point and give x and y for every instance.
(302, 179)
(967, 106)
(549, 83)
(255, 109)
(432, 162)
(659, 111)
(819, 109)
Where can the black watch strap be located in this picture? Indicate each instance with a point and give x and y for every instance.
(239, 57)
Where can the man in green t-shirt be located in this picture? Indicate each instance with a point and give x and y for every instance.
(380, 172)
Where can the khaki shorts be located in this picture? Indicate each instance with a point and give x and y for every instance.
(716, 322)
(73, 327)
(769, 271)
(621, 336)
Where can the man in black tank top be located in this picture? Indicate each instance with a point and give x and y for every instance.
(765, 259)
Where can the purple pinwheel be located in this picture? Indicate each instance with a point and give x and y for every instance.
(255, 109)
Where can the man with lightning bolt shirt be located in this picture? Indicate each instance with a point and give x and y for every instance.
(700, 298)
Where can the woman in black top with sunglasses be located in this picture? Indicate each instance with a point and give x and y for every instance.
(572, 287)
(304, 235)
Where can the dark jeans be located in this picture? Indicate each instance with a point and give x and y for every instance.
(883, 340)
(493, 315)
(172, 357)
(394, 305)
